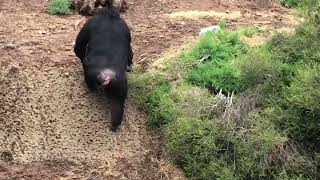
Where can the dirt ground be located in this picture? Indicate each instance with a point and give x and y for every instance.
(52, 128)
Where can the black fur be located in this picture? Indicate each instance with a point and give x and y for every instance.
(104, 42)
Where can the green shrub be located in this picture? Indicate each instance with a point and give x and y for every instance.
(191, 101)
(59, 7)
(197, 147)
(249, 31)
(210, 61)
(304, 46)
(160, 105)
(239, 136)
(216, 46)
(216, 76)
(291, 3)
(299, 108)
(213, 149)
(259, 67)
(304, 91)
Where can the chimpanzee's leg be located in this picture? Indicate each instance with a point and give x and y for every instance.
(90, 81)
(129, 66)
(118, 95)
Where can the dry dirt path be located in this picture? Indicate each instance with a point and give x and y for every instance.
(50, 128)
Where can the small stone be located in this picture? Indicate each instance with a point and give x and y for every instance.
(42, 32)
(10, 46)
(6, 156)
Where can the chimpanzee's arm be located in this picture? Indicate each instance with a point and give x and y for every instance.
(130, 58)
(80, 46)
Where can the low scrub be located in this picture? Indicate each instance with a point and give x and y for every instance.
(228, 111)
(59, 7)
(291, 3)
(210, 62)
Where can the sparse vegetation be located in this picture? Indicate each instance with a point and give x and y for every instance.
(228, 111)
(209, 63)
(59, 7)
(249, 31)
(291, 3)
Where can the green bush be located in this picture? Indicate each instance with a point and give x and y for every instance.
(210, 63)
(191, 101)
(59, 7)
(298, 111)
(241, 136)
(291, 3)
(197, 146)
(213, 149)
(297, 108)
(216, 76)
(304, 46)
(226, 44)
(249, 31)
(215, 46)
(260, 68)
(304, 91)
(160, 105)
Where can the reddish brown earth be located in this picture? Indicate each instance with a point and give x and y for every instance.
(50, 127)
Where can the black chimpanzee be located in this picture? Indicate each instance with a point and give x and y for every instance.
(104, 47)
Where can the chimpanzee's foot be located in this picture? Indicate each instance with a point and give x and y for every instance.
(129, 68)
(115, 125)
(114, 128)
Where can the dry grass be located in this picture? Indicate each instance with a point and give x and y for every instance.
(194, 15)
(255, 40)
(229, 108)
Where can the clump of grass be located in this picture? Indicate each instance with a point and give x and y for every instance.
(296, 106)
(219, 149)
(260, 68)
(209, 62)
(195, 146)
(216, 46)
(297, 110)
(291, 3)
(249, 31)
(156, 99)
(161, 106)
(216, 76)
(304, 91)
(59, 7)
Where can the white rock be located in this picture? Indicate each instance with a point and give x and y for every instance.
(211, 28)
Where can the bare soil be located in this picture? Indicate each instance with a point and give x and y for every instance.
(51, 127)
